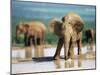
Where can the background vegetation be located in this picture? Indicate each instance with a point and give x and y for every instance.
(50, 38)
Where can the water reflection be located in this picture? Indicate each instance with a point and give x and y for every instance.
(80, 61)
(43, 61)
(57, 63)
(71, 63)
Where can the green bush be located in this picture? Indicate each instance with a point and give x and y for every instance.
(20, 39)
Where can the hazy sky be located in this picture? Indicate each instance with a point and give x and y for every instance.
(49, 10)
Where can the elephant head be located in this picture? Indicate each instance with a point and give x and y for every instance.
(21, 29)
(74, 20)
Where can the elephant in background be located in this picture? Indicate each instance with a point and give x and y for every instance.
(34, 32)
(89, 34)
(69, 30)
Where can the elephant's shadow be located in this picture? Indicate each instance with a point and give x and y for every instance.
(44, 59)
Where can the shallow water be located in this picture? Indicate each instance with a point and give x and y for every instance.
(47, 52)
(47, 63)
(54, 65)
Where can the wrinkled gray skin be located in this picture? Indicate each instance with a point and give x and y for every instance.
(69, 30)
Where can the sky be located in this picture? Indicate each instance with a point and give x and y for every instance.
(42, 10)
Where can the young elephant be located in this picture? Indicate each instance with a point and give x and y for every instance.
(33, 32)
(89, 34)
(68, 30)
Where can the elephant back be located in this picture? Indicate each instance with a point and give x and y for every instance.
(37, 25)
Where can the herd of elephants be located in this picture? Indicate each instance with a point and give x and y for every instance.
(68, 29)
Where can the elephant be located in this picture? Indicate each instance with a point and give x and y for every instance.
(89, 34)
(33, 31)
(69, 31)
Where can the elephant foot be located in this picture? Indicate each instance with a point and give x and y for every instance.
(56, 57)
(66, 58)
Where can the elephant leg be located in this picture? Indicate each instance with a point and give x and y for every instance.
(66, 47)
(42, 41)
(38, 41)
(58, 50)
(71, 49)
(43, 38)
(91, 43)
(87, 41)
(35, 40)
(29, 41)
(79, 44)
(26, 39)
(70, 44)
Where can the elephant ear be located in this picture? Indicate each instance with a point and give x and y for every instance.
(56, 26)
(78, 26)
